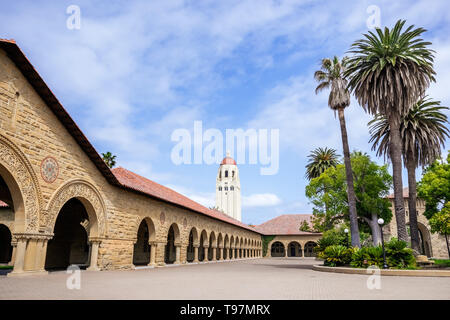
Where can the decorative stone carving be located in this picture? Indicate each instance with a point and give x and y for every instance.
(75, 189)
(49, 169)
(19, 167)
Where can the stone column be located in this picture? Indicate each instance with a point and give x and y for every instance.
(183, 254)
(13, 256)
(206, 253)
(177, 253)
(214, 254)
(160, 253)
(19, 260)
(196, 246)
(95, 243)
(152, 253)
(285, 250)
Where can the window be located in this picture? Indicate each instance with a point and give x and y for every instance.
(226, 173)
(220, 188)
(226, 188)
(232, 174)
(231, 188)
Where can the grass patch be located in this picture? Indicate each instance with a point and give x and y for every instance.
(6, 267)
(442, 262)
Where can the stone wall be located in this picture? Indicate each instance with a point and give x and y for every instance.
(435, 242)
(31, 140)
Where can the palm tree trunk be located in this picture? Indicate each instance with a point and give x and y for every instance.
(354, 230)
(395, 143)
(413, 227)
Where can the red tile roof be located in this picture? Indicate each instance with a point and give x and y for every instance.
(405, 193)
(286, 224)
(3, 205)
(143, 185)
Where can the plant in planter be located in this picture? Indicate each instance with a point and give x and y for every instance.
(398, 255)
(336, 255)
(367, 256)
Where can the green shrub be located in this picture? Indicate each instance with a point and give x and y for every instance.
(336, 255)
(398, 256)
(332, 237)
(367, 256)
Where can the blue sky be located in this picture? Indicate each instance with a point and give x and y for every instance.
(137, 70)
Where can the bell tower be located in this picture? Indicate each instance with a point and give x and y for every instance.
(228, 188)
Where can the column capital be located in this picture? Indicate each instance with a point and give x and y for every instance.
(95, 240)
(35, 236)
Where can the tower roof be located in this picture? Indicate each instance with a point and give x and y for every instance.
(228, 160)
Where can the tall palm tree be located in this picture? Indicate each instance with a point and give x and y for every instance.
(109, 159)
(331, 74)
(388, 73)
(320, 159)
(423, 131)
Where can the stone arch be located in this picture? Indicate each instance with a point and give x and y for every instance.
(426, 245)
(277, 249)
(203, 244)
(192, 241)
(294, 249)
(23, 184)
(145, 233)
(309, 249)
(88, 195)
(172, 241)
(212, 245)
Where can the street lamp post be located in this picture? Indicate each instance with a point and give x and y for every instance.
(346, 236)
(381, 222)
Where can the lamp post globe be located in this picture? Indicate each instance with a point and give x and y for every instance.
(346, 236)
(380, 221)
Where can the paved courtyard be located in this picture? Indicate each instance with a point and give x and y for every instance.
(283, 278)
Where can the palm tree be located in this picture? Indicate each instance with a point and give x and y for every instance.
(109, 159)
(389, 72)
(423, 131)
(331, 74)
(320, 159)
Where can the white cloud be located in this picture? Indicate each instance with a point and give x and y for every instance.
(260, 200)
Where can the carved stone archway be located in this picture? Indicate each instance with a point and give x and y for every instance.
(88, 195)
(18, 174)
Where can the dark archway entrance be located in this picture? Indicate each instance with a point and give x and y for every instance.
(7, 216)
(201, 249)
(277, 249)
(5, 244)
(309, 249)
(294, 249)
(141, 251)
(171, 251)
(190, 251)
(69, 245)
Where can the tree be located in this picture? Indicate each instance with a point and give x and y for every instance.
(423, 130)
(304, 226)
(320, 159)
(109, 159)
(372, 184)
(440, 223)
(388, 73)
(434, 188)
(331, 74)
